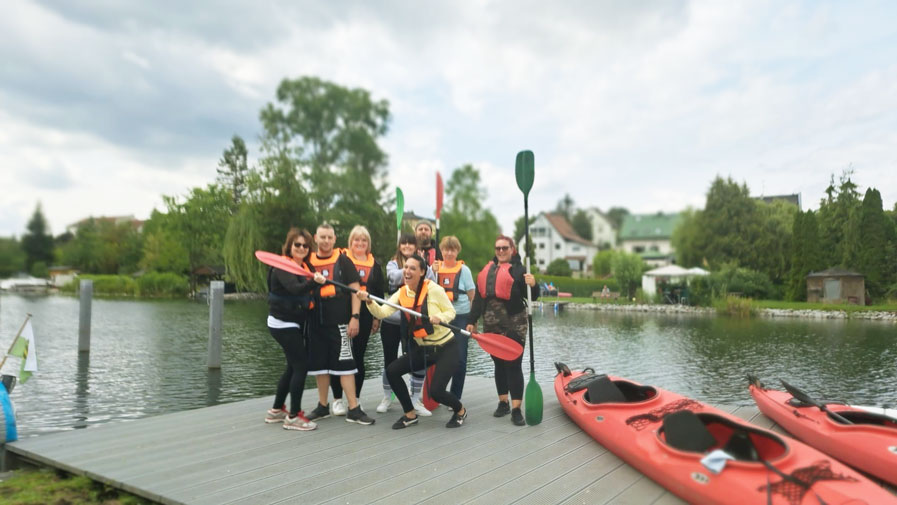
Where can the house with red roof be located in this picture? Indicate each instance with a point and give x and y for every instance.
(554, 238)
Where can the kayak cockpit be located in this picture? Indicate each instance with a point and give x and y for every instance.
(602, 389)
(865, 418)
(704, 432)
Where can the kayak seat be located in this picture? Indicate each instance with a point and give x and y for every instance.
(685, 431)
(603, 390)
(741, 447)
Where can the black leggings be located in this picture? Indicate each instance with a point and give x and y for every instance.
(509, 374)
(359, 347)
(445, 357)
(292, 380)
(391, 335)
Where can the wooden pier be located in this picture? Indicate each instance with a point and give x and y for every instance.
(226, 455)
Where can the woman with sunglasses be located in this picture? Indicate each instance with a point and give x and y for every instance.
(289, 302)
(431, 343)
(390, 332)
(500, 300)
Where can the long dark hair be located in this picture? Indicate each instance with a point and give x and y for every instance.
(405, 238)
(292, 235)
(422, 265)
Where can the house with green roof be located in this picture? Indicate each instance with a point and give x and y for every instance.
(650, 236)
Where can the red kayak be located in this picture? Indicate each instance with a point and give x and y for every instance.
(869, 443)
(702, 454)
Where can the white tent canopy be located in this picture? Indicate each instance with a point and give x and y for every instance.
(674, 273)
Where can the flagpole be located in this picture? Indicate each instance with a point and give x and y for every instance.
(27, 317)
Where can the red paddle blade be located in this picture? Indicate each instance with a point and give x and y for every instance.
(281, 262)
(500, 346)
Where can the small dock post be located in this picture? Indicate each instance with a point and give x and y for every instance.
(216, 310)
(86, 295)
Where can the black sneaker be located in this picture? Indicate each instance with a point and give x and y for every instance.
(517, 417)
(357, 415)
(320, 412)
(504, 408)
(404, 422)
(457, 420)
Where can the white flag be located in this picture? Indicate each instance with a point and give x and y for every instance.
(24, 348)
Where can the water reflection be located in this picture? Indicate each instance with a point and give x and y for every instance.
(149, 357)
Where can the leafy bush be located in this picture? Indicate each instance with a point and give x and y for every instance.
(733, 280)
(734, 306)
(578, 287)
(162, 284)
(105, 284)
(559, 267)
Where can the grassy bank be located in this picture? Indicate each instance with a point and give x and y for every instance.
(150, 285)
(849, 308)
(43, 486)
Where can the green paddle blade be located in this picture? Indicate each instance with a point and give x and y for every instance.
(400, 208)
(525, 171)
(532, 399)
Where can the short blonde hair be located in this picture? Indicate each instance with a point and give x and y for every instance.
(451, 243)
(359, 231)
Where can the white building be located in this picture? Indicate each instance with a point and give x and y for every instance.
(554, 238)
(603, 231)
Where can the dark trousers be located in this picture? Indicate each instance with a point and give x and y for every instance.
(292, 380)
(444, 356)
(458, 378)
(391, 336)
(359, 347)
(509, 374)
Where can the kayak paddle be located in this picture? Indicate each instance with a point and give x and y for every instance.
(500, 346)
(803, 397)
(400, 210)
(525, 172)
(438, 203)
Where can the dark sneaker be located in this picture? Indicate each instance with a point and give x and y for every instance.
(457, 420)
(320, 412)
(504, 408)
(357, 415)
(404, 422)
(517, 417)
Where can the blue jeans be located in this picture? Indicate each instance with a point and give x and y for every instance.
(460, 372)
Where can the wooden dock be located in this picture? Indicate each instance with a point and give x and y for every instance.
(226, 455)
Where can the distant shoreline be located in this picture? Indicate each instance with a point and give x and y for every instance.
(704, 311)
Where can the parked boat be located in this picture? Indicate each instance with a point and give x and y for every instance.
(865, 440)
(705, 455)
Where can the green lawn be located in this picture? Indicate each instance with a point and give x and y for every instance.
(42, 486)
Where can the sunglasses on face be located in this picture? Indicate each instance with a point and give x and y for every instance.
(300, 244)
(502, 248)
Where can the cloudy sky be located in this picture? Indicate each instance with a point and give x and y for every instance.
(107, 105)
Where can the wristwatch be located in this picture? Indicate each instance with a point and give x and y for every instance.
(355, 316)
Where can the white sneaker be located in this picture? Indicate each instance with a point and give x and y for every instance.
(421, 410)
(384, 404)
(339, 407)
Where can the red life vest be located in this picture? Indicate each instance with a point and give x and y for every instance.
(429, 255)
(503, 281)
(450, 279)
(364, 268)
(420, 326)
(327, 267)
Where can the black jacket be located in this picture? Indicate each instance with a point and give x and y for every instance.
(518, 292)
(289, 295)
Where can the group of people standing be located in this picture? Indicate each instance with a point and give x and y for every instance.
(324, 329)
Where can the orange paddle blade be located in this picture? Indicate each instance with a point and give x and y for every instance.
(500, 346)
(281, 262)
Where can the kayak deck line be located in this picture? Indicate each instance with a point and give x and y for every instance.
(226, 453)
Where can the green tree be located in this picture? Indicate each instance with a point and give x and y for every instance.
(627, 270)
(102, 246)
(12, 257)
(685, 239)
(467, 218)
(602, 263)
(806, 256)
(559, 267)
(875, 248)
(330, 131)
(581, 224)
(37, 243)
(233, 170)
(162, 252)
(199, 223)
(616, 215)
(835, 211)
(565, 207)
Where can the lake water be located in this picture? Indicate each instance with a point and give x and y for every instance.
(149, 357)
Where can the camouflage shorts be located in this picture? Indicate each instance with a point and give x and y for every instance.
(497, 320)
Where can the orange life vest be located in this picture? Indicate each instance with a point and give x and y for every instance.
(328, 267)
(420, 326)
(450, 279)
(501, 288)
(364, 268)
